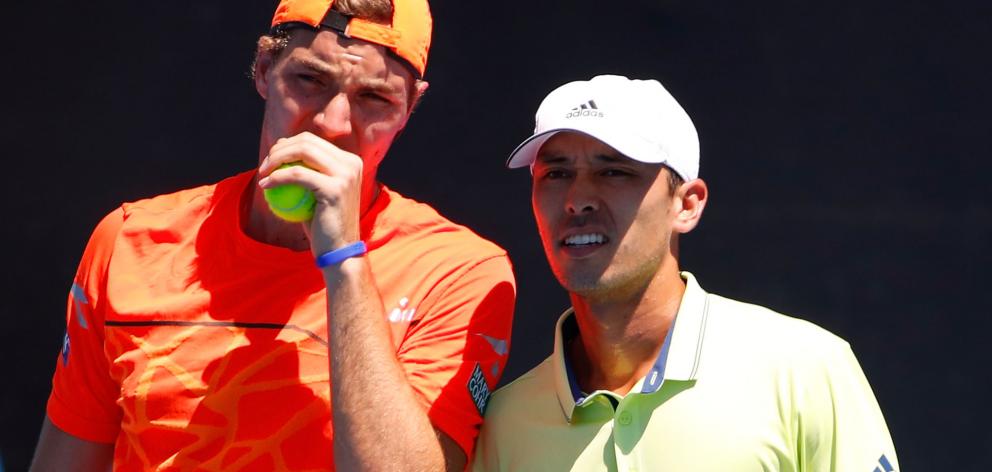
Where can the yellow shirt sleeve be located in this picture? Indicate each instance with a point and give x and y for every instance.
(841, 425)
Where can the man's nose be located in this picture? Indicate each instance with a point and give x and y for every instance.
(334, 119)
(582, 197)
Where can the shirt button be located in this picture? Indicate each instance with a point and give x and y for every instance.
(624, 418)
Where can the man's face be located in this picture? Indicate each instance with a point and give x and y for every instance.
(605, 220)
(348, 92)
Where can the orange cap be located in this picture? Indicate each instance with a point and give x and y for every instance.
(409, 36)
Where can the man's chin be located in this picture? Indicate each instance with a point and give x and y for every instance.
(604, 287)
(581, 284)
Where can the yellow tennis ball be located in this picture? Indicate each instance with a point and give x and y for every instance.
(291, 202)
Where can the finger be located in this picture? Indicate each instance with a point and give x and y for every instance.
(312, 151)
(330, 189)
(298, 151)
(299, 175)
(316, 158)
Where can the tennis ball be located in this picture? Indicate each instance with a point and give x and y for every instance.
(291, 202)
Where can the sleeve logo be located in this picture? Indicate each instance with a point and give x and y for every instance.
(479, 389)
(78, 300)
(884, 465)
(65, 349)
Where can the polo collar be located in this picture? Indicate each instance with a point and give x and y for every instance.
(678, 359)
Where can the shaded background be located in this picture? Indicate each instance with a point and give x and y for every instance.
(845, 144)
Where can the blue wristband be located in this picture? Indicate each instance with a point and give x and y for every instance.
(339, 255)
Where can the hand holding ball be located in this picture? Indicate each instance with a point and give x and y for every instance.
(290, 202)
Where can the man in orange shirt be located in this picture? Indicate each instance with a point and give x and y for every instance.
(201, 336)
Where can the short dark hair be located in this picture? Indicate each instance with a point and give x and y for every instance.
(674, 181)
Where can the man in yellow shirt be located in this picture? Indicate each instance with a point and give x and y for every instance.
(649, 371)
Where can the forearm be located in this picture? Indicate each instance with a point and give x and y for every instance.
(58, 450)
(372, 399)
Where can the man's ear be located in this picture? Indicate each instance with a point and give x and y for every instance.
(261, 67)
(691, 198)
(419, 89)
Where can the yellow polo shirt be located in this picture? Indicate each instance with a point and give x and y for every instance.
(736, 387)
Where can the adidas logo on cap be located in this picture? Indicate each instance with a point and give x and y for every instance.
(586, 109)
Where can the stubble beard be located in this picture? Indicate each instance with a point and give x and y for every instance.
(626, 276)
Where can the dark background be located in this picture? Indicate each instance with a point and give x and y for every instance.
(845, 145)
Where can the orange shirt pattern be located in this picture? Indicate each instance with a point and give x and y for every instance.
(193, 347)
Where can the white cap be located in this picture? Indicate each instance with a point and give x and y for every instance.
(638, 118)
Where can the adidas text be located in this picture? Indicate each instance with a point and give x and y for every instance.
(578, 113)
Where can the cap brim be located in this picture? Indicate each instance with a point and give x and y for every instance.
(624, 143)
(526, 152)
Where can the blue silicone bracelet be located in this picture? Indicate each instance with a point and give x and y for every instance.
(338, 255)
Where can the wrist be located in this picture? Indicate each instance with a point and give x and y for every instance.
(336, 276)
(336, 257)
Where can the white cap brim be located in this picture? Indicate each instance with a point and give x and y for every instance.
(626, 143)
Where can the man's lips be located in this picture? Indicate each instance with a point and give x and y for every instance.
(584, 239)
(579, 244)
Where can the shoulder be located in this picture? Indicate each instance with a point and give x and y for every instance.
(526, 398)
(440, 267)
(788, 355)
(418, 224)
(750, 338)
(523, 420)
(446, 256)
(106, 231)
(761, 328)
(172, 206)
(148, 230)
(99, 249)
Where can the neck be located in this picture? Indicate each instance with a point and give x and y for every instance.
(260, 224)
(621, 338)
